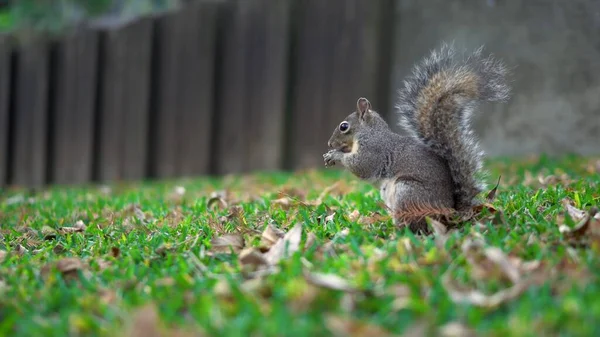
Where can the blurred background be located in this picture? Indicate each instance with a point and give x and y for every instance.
(109, 90)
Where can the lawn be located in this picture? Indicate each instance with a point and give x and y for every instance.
(304, 254)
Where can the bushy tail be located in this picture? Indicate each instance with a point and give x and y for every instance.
(436, 104)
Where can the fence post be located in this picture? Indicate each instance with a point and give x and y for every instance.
(5, 96)
(124, 101)
(183, 91)
(251, 114)
(31, 114)
(74, 103)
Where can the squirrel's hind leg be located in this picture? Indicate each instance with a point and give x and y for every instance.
(410, 202)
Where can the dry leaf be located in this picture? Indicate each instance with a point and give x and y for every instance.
(77, 228)
(2, 255)
(252, 257)
(108, 296)
(283, 202)
(354, 215)
(373, 218)
(271, 235)
(456, 329)
(145, 322)
(226, 243)
(491, 259)
(103, 264)
(329, 281)
(177, 194)
(290, 243)
(588, 224)
(574, 212)
(115, 252)
(439, 229)
(347, 327)
(48, 233)
(68, 267)
(59, 249)
(311, 240)
(20, 250)
(478, 298)
(492, 194)
(220, 198)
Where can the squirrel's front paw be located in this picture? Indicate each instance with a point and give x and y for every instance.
(331, 158)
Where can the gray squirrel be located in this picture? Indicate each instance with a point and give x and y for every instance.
(435, 169)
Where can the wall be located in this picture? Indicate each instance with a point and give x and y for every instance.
(554, 50)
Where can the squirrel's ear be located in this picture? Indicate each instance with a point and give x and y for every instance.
(363, 106)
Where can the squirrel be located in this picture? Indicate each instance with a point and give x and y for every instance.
(437, 167)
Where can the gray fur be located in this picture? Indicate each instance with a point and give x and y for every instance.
(462, 152)
(435, 166)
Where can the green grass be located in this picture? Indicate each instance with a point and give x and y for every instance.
(163, 259)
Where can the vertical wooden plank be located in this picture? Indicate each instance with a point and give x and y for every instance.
(138, 37)
(29, 163)
(267, 82)
(337, 62)
(197, 87)
(124, 102)
(308, 129)
(111, 109)
(75, 95)
(5, 93)
(254, 72)
(164, 138)
(355, 54)
(184, 90)
(231, 135)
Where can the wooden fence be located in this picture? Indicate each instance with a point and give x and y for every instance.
(214, 88)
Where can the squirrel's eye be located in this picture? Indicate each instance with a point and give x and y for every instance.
(344, 126)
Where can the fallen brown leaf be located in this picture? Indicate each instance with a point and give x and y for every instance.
(252, 257)
(115, 252)
(348, 327)
(59, 249)
(69, 268)
(77, 228)
(283, 202)
(20, 250)
(329, 281)
(227, 243)
(492, 193)
(271, 235)
(145, 322)
(373, 218)
(286, 246)
(487, 261)
(354, 215)
(311, 240)
(48, 233)
(108, 296)
(589, 224)
(218, 197)
(456, 329)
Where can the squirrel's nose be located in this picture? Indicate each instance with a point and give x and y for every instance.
(329, 144)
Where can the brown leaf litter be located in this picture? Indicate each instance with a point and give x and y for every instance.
(68, 267)
(349, 327)
(586, 231)
(228, 243)
(492, 262)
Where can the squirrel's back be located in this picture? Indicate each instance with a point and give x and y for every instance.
(436, 104)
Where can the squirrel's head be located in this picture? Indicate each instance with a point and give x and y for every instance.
(362, 119)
